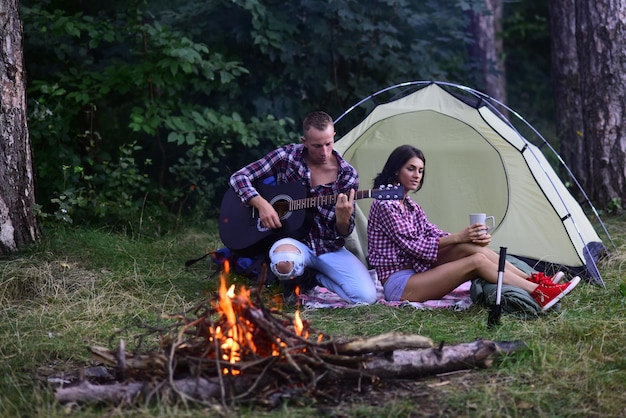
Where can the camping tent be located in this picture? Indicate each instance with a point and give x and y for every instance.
(476, 161)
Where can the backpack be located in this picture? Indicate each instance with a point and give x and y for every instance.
(514, 300)
(247, 265)
(251, 267)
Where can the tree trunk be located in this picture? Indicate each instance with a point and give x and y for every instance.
(566, 86)
(488, 49)
(601, 40)
(589, 78)
(18, 224)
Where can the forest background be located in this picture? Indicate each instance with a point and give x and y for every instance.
(139, 111)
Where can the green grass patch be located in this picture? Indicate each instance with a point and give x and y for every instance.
(76, 288)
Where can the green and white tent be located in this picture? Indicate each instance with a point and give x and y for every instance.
(476, 161)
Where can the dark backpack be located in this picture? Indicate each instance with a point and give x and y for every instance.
(250, 267)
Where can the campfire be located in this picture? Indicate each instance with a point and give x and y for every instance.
(233, 348)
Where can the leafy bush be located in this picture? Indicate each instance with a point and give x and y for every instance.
(119, 92)
(195, 101)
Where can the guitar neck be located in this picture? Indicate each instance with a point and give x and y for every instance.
(311, 202)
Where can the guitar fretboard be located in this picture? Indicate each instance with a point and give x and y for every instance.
(311, 202)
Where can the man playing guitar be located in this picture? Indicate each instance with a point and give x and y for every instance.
(323, 172)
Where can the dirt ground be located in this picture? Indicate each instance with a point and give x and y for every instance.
(428, 393)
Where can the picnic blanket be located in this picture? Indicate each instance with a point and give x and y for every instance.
(320, 297)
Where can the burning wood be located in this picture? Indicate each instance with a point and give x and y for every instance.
(229, 349)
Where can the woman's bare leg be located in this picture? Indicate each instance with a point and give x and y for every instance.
(455, 252)
(438, 281)
(507, 266)
(446, 276)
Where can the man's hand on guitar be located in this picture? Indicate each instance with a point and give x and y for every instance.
(343, 211)
(242, 226)
(267, 214)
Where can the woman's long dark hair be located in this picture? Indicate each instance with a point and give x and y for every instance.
(396, 160)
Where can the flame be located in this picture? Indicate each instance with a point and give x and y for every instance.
(236, 330)
(230, 340)
(297, 324)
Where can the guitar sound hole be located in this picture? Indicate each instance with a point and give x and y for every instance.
(282, 208)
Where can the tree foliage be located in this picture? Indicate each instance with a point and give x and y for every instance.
(141, 109)
(117, 81)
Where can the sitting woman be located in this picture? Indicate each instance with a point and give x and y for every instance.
(416, 261)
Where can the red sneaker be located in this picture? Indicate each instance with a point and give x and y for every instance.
(547, 295)
(541, 278)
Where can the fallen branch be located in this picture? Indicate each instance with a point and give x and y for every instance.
(442, 359)
(126, 392)
(398, 363)
(384, 342)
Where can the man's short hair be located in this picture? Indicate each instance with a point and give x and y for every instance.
(318, 120)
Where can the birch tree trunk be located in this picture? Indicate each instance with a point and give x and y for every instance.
(18, 224)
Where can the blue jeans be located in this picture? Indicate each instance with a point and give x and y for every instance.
(340, 271)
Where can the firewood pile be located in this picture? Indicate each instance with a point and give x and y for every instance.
(230, 349)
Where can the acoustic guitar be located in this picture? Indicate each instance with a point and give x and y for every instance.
(240, 227)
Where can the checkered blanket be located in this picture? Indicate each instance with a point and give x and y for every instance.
(320, 297)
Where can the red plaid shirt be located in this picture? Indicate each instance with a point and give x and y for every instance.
(399, 239)
(286, 165)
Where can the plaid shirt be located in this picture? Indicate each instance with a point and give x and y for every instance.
(400, 239)
(287, 165)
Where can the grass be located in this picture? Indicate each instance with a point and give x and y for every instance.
(76, 287)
